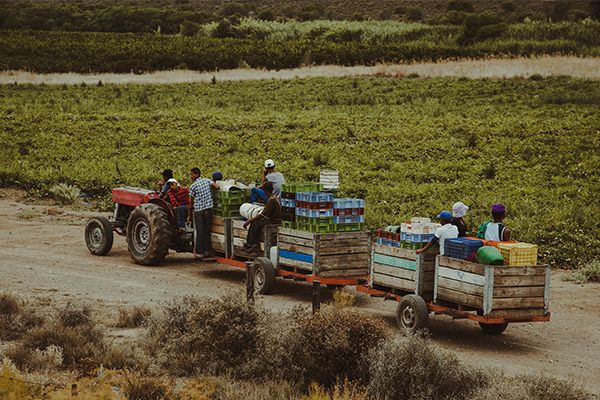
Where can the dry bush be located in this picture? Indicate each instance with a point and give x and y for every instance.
(411, 368)
(16, 317)
(211, 335)
(133, 317)
(137, 387)
(235, 390)
(73, 316)
(343, 297)
(345, 391)
(127, 356)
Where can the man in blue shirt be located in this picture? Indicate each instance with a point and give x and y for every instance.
(201, 198)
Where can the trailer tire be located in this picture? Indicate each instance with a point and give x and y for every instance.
(99, 236)
(412, 313)
(264, 275)
(493, 329)
(149, 234)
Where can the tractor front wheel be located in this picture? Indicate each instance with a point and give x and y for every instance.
(99, 236)
(149, 234)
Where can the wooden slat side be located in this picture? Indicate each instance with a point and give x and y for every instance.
(240, 233)
(461, 276)
(287, 262)
(346, 273)
(459, 297)
(460, 286)
(462, 265)
(395, 252)
(295, 248)
(395, 261)
(296, 240)
(394, 282)
(239, 242)
(394, 272)
(218, 229)
(527, 280)
(341, 243)
(351, 261)
(238, 223)
(520, 271)
(344, 235)
(216, 220)
(343, 250)
(296, 233)
(518, 291)
(519, 302)
(518, 313)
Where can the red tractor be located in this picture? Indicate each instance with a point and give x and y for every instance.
(148, 223)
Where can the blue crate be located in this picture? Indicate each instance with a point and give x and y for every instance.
(314, 197)
(348, 203)
(387, 242)
(305, 212)
(348, 219)
(462, 248)
(291, 203)
(416, 238)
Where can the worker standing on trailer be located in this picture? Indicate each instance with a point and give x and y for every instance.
(459, 210)
(271, 214)
(495, 230)
(201, 198)
(446, 231)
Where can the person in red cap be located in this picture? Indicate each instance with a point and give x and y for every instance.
(495, 230)
(446, 231)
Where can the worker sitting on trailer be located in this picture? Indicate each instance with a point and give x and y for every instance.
(216, 178)
(270, 215)
(495, 230)
(179, 197)
(163, 186)
(446, 231)
(459, 210)
(257, 194)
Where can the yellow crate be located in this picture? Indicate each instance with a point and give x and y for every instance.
(518, 254)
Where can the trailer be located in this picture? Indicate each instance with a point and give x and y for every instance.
(493, 296)
(333, 259)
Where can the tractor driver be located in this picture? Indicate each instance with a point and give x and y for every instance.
(179, 197)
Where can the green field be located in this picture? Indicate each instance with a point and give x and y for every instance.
(408, 146)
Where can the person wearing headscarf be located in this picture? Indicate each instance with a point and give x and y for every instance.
(495, 229)
(459, 210)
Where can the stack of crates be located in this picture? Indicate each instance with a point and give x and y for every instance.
(227, 204)
(314, 212)
(288, 201)
(518, 254)
(388, 236)
(348, 214)
(416, 233)
(462, 248)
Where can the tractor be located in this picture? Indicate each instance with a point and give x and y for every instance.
(147, 221)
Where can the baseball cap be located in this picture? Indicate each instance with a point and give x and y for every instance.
(269, 163)
(217, 176)
(447, 215)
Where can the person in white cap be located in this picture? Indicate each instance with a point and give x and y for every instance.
(459, 210)
(270, 175)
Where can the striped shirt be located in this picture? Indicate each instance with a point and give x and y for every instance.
(179, 198)
(200, 191)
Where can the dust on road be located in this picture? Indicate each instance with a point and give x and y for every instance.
(487, 68)
(43, 257)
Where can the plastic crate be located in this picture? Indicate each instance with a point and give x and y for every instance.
(302, 187)
(461, 248)
(288, 224)
(518, 254)
(416, 237)
(348, 211)
(387, 242)
(227, 213)
(304, 212)
(349, 227)
(288, 214)
(233, 194)
(328, 228)
(291, 203)
(349, 219)
(314, 205)
(411, 245)
(348, 203)
(314, 197)
(314, 221)
(288, 195)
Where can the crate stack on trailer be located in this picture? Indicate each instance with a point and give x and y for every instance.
(227, 203)
(289, 193)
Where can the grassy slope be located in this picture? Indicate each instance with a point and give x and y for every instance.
(410, 147)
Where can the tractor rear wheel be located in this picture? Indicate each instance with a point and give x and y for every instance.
(149, 234)
(99, 236)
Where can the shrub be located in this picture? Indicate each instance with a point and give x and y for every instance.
(419, 371)
(588, 273)
(10, 305)
(133, 317)
(16, 317)
(73, 316)
(188, 28)
(137, 387)
(260, 390)
(460, 5)
(65, 194)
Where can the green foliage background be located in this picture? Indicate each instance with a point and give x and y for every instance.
(408, 146)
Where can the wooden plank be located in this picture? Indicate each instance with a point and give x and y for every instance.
(240, 233)
(239, 242)
(428, 266)
(347, 261)
(460, 286)
(395, 261)
(295, 248)
(216, 220)
(518, 313)
(461, 276)
(532, 270)
(394, 282)
(344, 235)
(287, 262)
(238, 223)
(527, 280)
(394, 272)
(462, 265)
(218, 229)
(519, 291)
(459, 297)
(342, 273)
(395, 251)
(341, 243)
(518, 302)
(343, 250)
(296, 233)
(295, 240)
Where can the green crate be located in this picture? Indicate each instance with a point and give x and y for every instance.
(410, 245)
(316, 228)
(226, 201)
(359, 226)
(234, 194)
(227, 213)
(288, 224)
(314, 221)
(302, 187)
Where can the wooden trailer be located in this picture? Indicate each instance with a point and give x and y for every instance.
(493, 296)
(333, 259)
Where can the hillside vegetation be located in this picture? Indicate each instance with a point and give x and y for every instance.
(409, 146)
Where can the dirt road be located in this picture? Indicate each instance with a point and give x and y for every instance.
(44, 258)
(492, 68)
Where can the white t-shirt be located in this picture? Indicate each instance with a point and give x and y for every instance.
(494, 232)
(278, 180)
(444, 232)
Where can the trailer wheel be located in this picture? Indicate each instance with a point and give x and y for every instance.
(99, 236)
(264, 275)
(493, 329)
(412, 313)
(149, 234)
